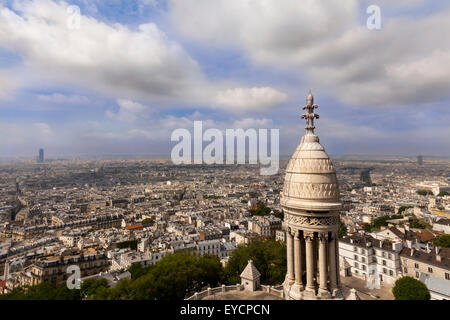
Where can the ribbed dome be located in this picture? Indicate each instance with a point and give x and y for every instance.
(310, 182)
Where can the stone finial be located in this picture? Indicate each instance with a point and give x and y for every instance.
(309, 116)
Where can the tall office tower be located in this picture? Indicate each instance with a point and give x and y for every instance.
(420, 160)
(311, 204)
(41, 156)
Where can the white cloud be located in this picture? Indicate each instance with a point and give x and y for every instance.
(252, 123)
(42, 128)
(8, 83)
(241, 99)
(327, 44)
(109, 58)
(129, 111)
(63, 98)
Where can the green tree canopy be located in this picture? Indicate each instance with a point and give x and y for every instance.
(42, 291)
(408, 288)
(147, 221)
(342, 230)
(381, 222)
(443, 194)
(175, 277)
(442, 241)
(261, 210)
(269, 257)
(424, 192)
(419, 224)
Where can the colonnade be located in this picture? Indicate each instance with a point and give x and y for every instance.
(312, 261)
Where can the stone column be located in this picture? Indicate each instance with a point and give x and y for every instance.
(332, 261)
(298, 260)
(309, 237)
(323, 268)
(290, 258)
(336, 246)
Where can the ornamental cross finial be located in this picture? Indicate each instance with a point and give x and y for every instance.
(310, 115)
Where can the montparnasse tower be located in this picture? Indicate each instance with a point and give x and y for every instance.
(310, 199)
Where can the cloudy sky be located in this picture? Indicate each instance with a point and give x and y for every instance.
(123, 75)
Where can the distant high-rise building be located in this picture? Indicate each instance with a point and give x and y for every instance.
(41, 156)
(420, 160)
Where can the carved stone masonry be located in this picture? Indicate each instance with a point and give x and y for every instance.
(311, 221)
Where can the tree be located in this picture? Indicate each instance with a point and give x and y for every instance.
(269, 257)
(442, 241)
(342, 230)
(90, 286)
(443, 194)
(424, 192)
(381, 222)
(403, 208)
(175, 277)
(419, 224)
(408, 288)
(261, 210)
(42, 291)
(148, 221)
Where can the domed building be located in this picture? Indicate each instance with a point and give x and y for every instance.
(310, 199)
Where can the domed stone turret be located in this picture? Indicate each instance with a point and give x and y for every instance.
(310, 199)
(310, 182)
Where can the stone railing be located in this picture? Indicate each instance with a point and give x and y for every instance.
(274, 290)
(212, 291)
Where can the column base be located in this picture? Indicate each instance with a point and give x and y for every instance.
(309, 293)
(337, 294)
(324, 294)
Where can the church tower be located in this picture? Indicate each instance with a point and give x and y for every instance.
(310, 199)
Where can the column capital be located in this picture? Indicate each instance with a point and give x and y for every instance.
(297, 233)
(309, 236)
(323, 237)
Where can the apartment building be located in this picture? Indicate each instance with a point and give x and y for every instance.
(375, 261)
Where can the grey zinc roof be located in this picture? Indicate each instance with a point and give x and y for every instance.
(250, 272)
(435, 284)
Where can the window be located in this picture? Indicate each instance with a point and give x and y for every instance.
(364, 267)
(447, 276)
(356, 257)
(355, 249)
(390, 256)
(416, 265)
(430, 270)
(391, 273)
(363, 259)
(384, 270)
(405, 270)
(383, 254)
(363, 251)
(417, 274)
(374, 259)
(384, 262)
(356, 265)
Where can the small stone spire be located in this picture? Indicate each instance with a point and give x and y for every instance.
(309, 116)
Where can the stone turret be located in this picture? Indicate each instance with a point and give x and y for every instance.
(310, 199)
(250, 277)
